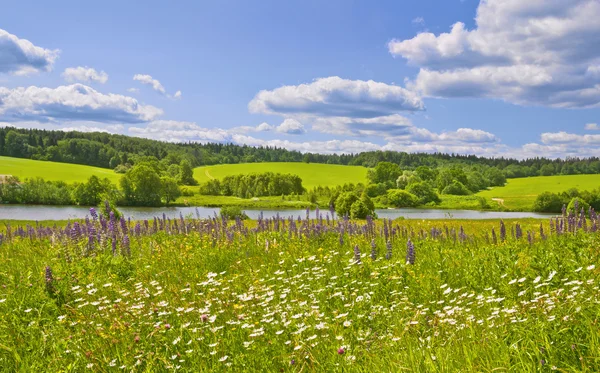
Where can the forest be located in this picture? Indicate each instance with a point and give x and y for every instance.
(120, 152)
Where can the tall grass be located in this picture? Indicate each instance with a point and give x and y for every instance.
(278, 295)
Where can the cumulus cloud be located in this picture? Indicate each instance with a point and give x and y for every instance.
(177, 95)
(570, 138)
(336, 97)
(75, 102)
(524, 52)
(379, 126)
(592, 127)
(21, 57)
(263, 127)
(291, 127)
(84, 74)
(133, 90)
(149, 80)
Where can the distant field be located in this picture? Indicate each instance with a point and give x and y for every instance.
(521, 193)
(27, 168)
(312, 174)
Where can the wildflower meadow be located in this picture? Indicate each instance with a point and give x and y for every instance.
(291, 295)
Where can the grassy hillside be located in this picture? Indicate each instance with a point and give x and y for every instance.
(312, 174)
(27, 168)
(521, 193)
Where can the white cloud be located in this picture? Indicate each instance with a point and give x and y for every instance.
(75, 102)
(418, 21)
(291, 127)
(336, 97)
(20, 56)
(524, 52)
(263, 127)
(84, 74)
(570, 138)
(133, 90)
(149, 80)
(118, 128)
(177, 95)
(379, 126)
(592, 127)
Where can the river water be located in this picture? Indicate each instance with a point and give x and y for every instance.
(27, 212)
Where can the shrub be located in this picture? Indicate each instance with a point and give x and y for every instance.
(424, 192)
(580, 204)
(456, 188)
(401, 198)
(233, 212)
(548, 202)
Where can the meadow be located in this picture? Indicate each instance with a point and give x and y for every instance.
(520, 194)
(54, 171)
(298, 295)
(312, 174)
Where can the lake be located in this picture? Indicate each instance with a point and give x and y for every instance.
(28, 212)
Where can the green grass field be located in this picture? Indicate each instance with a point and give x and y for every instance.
(520, 194)
(193, 296)
(312, 174)
(27, 168)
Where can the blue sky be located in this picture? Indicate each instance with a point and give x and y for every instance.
(497, 78)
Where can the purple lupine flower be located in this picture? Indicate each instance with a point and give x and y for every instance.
(530, 237)
(356, 255)
(123, 224)
(502, 231)
(542, 235)
(114, 246)
(461, 235)
(518, 231)
(494, 238)
(410, 252)
(94, 213)
(373, 250)
(126, 247)
(49, 280)
(388, 254)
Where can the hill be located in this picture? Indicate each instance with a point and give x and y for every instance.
(312, 174)
(55, 171)
(520, 194)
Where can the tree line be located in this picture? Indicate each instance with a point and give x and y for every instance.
(254, 185)
(122, 152)
(145, 184)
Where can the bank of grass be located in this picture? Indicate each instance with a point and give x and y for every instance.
(520, 194)
(271, 301)
(248, 203)
(312, 174)
(54, 171)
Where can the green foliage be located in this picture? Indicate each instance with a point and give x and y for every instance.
(456, 188)
(407, 178)
(141, 186)
(384, 172)
(233, 212)
(254, 185)
(424, 192)
(401, 198)
(169, 189)
(92, 192)
(581, 204)
(548, 202)
(374, 190)
(186, 176)
(344, 202)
